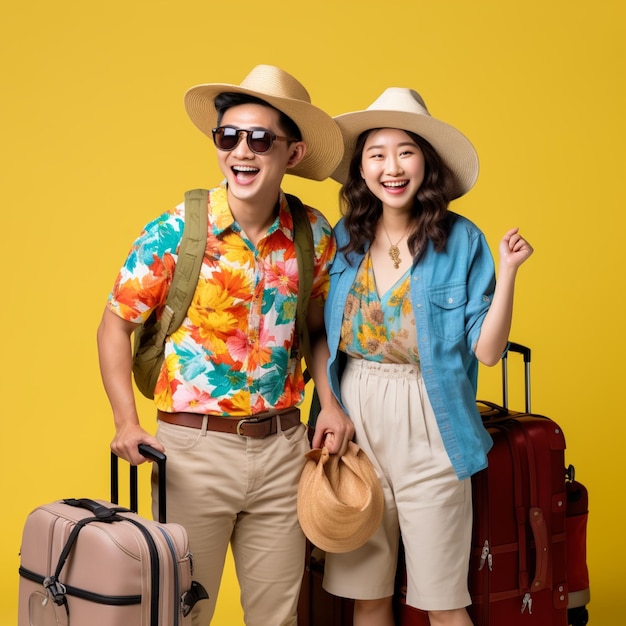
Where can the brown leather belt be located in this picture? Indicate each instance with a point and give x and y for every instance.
(256, 426)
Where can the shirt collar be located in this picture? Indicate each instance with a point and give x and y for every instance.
(221, 217)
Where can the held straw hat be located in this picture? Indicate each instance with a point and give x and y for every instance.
(340, 499)
(285, 93)
(403, 108)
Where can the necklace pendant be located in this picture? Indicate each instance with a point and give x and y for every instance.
(394, 253)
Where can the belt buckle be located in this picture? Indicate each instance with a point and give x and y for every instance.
(252, 420)
(240, 423)
(246, 420)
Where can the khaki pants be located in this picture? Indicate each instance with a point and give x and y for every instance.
(225, 489)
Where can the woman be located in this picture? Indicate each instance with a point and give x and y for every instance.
(413, 308)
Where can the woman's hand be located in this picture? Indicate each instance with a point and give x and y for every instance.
(514, 249)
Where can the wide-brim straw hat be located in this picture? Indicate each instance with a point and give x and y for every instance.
(405, 109)
(340, 499)
(324, 145)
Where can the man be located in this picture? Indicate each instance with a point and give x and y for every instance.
(230, 480)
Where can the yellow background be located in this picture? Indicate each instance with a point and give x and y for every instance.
(95, 142)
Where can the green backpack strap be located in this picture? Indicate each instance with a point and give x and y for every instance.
(305, 255)
(149, 343)
(190, 257)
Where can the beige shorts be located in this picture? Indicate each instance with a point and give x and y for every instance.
(424, 500)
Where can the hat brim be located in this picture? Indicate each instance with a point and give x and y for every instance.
(340, 501)
(453, 147)
(324, 144)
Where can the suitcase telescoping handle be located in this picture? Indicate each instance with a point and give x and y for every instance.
(525, 352)
(153, 455)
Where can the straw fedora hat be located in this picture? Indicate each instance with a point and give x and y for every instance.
(340, 499)
(405, 109)
(285, 93)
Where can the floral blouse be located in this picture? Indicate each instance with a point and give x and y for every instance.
(379, 328)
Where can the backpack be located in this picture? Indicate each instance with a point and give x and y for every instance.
(149, 338)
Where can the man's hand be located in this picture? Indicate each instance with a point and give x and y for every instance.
(128, 438)
(334, 429)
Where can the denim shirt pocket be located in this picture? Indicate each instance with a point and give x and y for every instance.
(448, 310)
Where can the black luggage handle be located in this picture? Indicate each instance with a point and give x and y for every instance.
(525, 352)
(519, 348)
(153, 455)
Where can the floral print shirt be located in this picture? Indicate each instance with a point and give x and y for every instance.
(233, 353)
(379, 328)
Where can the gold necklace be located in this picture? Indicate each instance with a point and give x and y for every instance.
(394, 251)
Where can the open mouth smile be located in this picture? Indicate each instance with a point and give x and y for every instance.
(395, 184)
(244, 173)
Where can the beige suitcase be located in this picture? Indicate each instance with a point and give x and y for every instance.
(92, 563)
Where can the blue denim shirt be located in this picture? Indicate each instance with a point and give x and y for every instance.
(451, 292)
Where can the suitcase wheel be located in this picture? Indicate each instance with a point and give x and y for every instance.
(578, 616)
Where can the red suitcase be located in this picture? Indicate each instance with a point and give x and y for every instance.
(90, 562)
(518, 572)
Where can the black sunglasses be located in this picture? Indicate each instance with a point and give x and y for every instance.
(260, 141)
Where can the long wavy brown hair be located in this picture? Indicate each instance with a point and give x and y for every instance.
(362, 209)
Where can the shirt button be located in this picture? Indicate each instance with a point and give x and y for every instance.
(450, 300)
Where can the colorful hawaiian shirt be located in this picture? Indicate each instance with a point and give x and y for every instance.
(379, 328)
(232, 354)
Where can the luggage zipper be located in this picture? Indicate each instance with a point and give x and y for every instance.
(186, 600)
(154, 571)
(177, 599)
(486, 549)
(486, 557)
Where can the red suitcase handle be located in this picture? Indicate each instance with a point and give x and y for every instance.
(540, 534)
